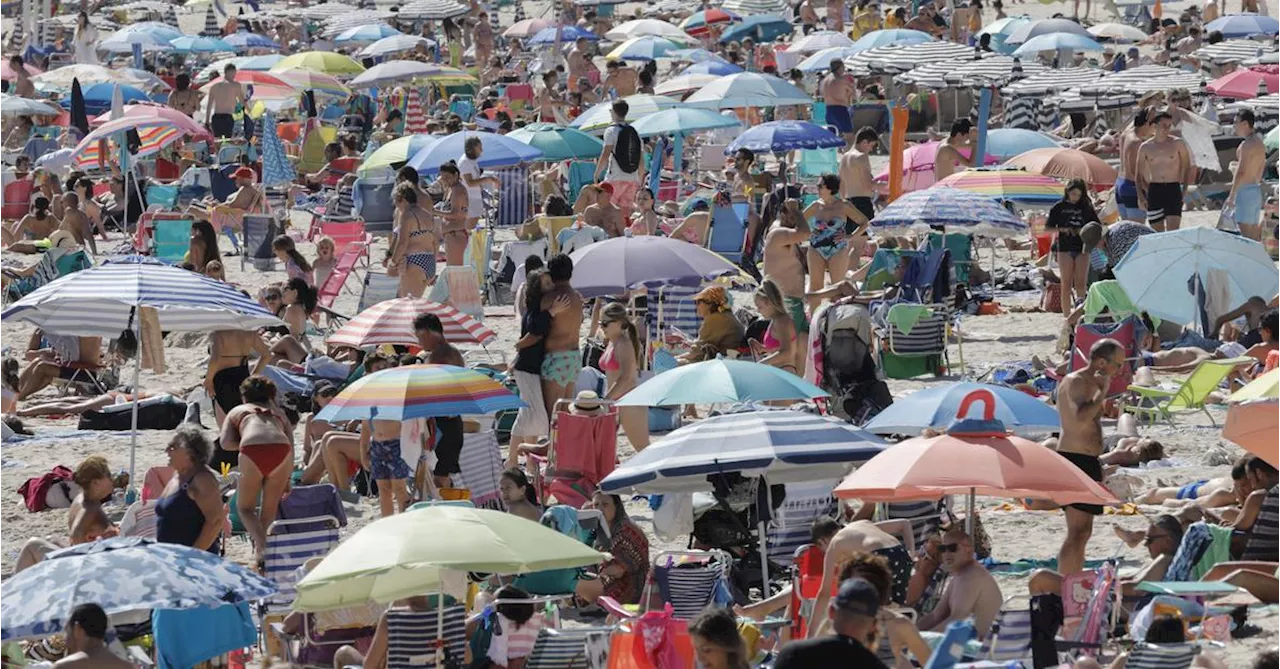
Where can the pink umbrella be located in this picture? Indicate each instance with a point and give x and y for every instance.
(975, 456)
(145, 111)
(391, 322)
(1244, 84)
(917, 166)
(7, 73)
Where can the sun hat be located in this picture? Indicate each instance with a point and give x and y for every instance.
(586, 401)
(714, 296)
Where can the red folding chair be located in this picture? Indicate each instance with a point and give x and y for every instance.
(1126, 332)
(806, 579)
(346, 234)
(17, 199)
(342, 269)
(583, 450)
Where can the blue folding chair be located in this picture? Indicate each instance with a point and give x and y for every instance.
(728, 231)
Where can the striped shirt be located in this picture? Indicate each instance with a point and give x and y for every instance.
(1264, 541)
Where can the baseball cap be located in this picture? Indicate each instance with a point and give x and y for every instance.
(606, 187)
(858, 596)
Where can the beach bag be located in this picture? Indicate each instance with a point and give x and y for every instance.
(627, 151)
(158, 416)
(49, 490)
(1051, 298)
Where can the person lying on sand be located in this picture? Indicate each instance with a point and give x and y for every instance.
(75, 407)
(1221, 491)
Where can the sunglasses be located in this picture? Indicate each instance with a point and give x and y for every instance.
(1152, 538)
(949, 548)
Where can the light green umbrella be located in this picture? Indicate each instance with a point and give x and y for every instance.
(1272, 140)
(404, 555)
(558, 142)
(395, 153)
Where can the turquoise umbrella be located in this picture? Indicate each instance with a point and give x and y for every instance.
(721, 381)
(558, 142)
(679, 122)
(1001, 29)
(198, 44)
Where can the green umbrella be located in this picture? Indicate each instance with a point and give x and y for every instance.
(405, 554)
(1272, 140)
(558, 142)
(395, 153)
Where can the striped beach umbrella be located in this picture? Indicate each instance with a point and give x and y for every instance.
(391, 322)
(953, 208)
(155, 134)
(699, 23)
(211, 27)
(420, 391)
(415, 118)
(1006, 184)
(432, 10)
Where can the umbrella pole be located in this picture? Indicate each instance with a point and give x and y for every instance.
(968, 518)
(764, 543)
(440, 623)
(133, 419)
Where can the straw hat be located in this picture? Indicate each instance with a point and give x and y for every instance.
(586, 401)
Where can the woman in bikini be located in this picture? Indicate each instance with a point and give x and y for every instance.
(453, 210)
(645, 221)
(229, 352)
(202, 247)
(621, 367)
(259, 429)
(834, 220)
(299, 304)
(414, 254)
(778, 345)
(694, 227)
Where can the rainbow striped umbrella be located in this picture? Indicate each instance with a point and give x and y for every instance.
(420, 391)
(391, 322)
(155, 133)
(1005, 184)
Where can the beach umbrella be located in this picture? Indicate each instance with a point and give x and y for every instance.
(98, 97)
(526, 28)
(696, 56)
(721, 381)
(395, 44)
(558, 142)
(716, 67)
(1065, 163)
(1039, 27)
(1266, 386)
(1253, 426)
(432, 10)
(567, 34)
(158, 29)
(682, 121)
(1056, 42)
(391, 322)
(395, 153)
(1007, 184)
(1242, 25)
(1245, 84)
(953, 208)
(1005, 143)
(419, 391)
(1117, 32)
(647, 28)
(253, 78)
(154, 112)
(1000, 29)
(277, 169)
(245, 40)
(821, 61)
(1156, 272)
(760, 27)
(121, 574)
(309, 80)
(1272, 140)
(370, 32)
(62, 77)
(685, 83)
(892, 37)
(320, 61)
(393, 72)
(917, 165)
(977, 457)
(600, 116)
(617, 265)
(198, 44)
(402, 555)
(749, 89)
(499, 151)
(784, 136)
(935, 408)
(700, 22)
(643, 48)
(253, 63)
(819, 40)
(7, 73)
(16, 106)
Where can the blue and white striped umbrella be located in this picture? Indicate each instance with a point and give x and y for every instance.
(370, 32)
(953, 208)
(245, 40)
(935, 408)
(97, 302)
(121, 574)
(781, 446)
(783, 136)
(821, 61)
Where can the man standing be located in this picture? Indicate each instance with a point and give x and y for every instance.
(75, 222)
(473, 178)
(225, 97)
(482, 35)
(1163, 163)
(838, 92)
(1246, 184)
(579, 59)
(1081, 397)
(622, 155)
(782, 263)
(563, 359)
(1126, 187)
(22, 86)
(549, 97)
(858, 186)
(963, 135)
(620, 77)
(854, 617)
(430, 334)
(970, 590)
(604, 214)
(86, 636)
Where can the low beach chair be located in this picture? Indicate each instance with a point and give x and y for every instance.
(54, 264)
(337, 279)
(287, 549)
(582, 525)
(459, 287)
(346, 235)
(791, 526)
(1192, 393)
(575, 648)
(672, 308)
(172, 239)
(728, 231)
(1010, 638)
(1162, 656)
(374, 204)
(687, 581)
(913, 340)
(17, 199)
(418, 638)
(1126, 332)
(582, 451)
(816, 162)
(378, 287)
(961, 248)
(1107, 301)
(259, 231)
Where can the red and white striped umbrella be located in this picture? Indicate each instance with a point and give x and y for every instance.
(415, 113)
(391, 322)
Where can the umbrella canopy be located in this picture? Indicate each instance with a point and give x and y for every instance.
(976, 456)
(370, 32)
(1117, 32)
(617, 265)
(526, 28)
(121, 574)
(8, 74)
(393, 45)
(558, 142)
(749, 89)
(1242, 25)
(1245, 84)
(685, 83)
(154, 133)
(716, 67)
(391, 322)
(1066, 163)
(697, 55)
(98, 97)
(320, 61)
(156, 112)
(1157, 270)
(1253, 425)
(567, 35)
(647, 28)
(1056, 42)
(917, 165)
(935, 408)
(309, 80)
(781, 446)
(419, 391)
(1266, 386)
(403, 555)
(1000, 30)
(393, 72)
(892, 37)
(1005, 143)
(432, 10)
(721, 381)
(12, 105)
(198, 44)
(1006, 184)
(759, 27)
(1027, 31)
(644, 48)
(1272, 140)
(682, 121)
(243, 41)
(499, 151)
(600, 116)
(395, 153)
(783, 136)
(699, 22)
(952, 208)
(818, 40)
(821, 61)
(87, 74)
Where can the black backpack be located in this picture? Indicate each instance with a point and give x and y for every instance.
(627, 151)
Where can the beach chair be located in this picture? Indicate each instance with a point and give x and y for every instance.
(575, 648)
(816, 162)
(927, 278)
(312, 158)
(17, 199)
(259, 231)
(1126, 331)
(791, 526)
(459, 287)
(582, 525)
(1010, 638)
(337, 279)
(165, 195)
(418, 638)
(464, 107)
(1106, 300)
(315, 647)
(378, 287)
(172, 238)
(887, 268)
(139, 520)
(913, 340)
(482, 466)
(288, 548)
(672, 308)
(581, 173)
(961, 248)
(711, 157)
(520, 95)
(806, 579)
(689, 581)
(728, 231)
(1092, 627)
(627, 650)
(1162, 656)
(551, 227)
(1158, 403)
(373, 203)
(583, 450)
(54, 264)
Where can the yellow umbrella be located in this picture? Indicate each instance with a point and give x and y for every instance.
(451, 75)
(1263, 387)
(321, 61)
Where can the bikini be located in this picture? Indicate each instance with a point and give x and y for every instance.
(823, 237)
(771, 342)
(423, 261)
(266, 457)
(608, 360)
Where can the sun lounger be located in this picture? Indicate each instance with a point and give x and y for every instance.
(1192, 392)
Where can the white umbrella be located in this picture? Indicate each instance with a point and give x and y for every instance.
(87, 74)
(392, 72)
(12, 105)
(684, 83)
(647, 27)
(817, 41)
(749, 89)
(1118, 32)
(599, 116)
(395, 44)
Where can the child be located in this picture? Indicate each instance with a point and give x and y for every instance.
(215, 270)
(380, 454)
(295, 265)
(325, 261)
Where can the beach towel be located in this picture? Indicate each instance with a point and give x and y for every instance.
(1195, 544)
(187, 637)
(46, 491)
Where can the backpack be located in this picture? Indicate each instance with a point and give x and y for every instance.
(48, 490)
(627, 151)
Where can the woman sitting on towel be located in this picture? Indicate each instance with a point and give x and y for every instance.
(621, 577)
(262, 433)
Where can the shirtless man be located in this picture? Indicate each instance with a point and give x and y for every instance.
(782, 262)
(604, 214)
(970, 590)
(835, 17)
(86, 639)
(224, 98)
(247, 197)
(1081, 397)
(1246, 184)
(21, 85)
(1126, 187)
(482, 36)
(621, 77)
(579, 60)
(864, 536)
(838, 92)
(1163, 163)
(808, 16)
(963, 136)
(449, 429)
(857, 185)
(563, 360)
(549, 97)
(75, 222)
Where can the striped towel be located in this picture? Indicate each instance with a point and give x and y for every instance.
(481, 463)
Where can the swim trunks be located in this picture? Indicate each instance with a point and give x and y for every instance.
(448, 450)
(1191, 490)
(1127, 200)
(222, 125)
(1163, 200)
(226, 387)
(795, 307)
(385, 461)
(864, 205)
(561, 367)
(1248, 205)
(900, 566)
(840, 117)
(1092, 467)
(822, 238)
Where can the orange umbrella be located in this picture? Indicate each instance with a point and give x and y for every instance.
(975, 456)
(1066, 164)
(1253, 425)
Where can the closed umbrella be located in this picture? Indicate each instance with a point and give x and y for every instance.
(949, 208)
(499, 151)
(79, 114)
(617, 265)
(749, 89)
(647, 28)
(321, 61)
(244, 41)
(1242, 25)
(1246, 84)
(558, 142)
(1027, 31)
(391, 322)
(419, 391)
(395, 44)
(277, 169)
(644, 48)
(1065, 163)
(758, 26)
(1057, 42)
(784, 136)
(935, 409)
(1117, 32)
(819, 40)
(721, 381)
(892, 37)
(1263, 387)
(1253, 425)
(599, 116)
(1007, 184)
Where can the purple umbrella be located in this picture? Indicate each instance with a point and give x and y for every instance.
(614, 266)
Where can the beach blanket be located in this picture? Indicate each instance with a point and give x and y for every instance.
(1023, 566)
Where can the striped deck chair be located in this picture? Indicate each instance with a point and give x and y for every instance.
(687, 580)
(913, 340)
(1010, 638)
(139, 520)
(792, 524)
(576, 648)
(417, 638)
(482, 467)
(1162, 656)
(671, 307)
(287, 550)
(378, 287)
(55, 264)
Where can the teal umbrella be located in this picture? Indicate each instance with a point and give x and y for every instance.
(558, 142)
(721, 381)
(682, 121)
(198, 44)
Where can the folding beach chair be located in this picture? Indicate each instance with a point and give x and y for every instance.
(482, 468)
(582, 525)
(1091, 628)
(378, 287)
(290, 543)
(458, 287)
(1158, 403)
(583, 450)
(1161, 656)
(172, 239)
(17, 199)
(165, 195)
(342, 268)
(551, 227)
(259, 231)
(1010, 638)
(711, 157)
(792, 523)
(418, 638)
(464, 107)
(887, 268)
(671, 308)
(689, 580)
(806, 578)
(139, 520)
(373, 204)
(581, 173)
(575, 648)
(913, 340)
(961, 248)
(1107, 301)
(816, 162)
(728, 231)
(54, 264)
(1126, 332)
